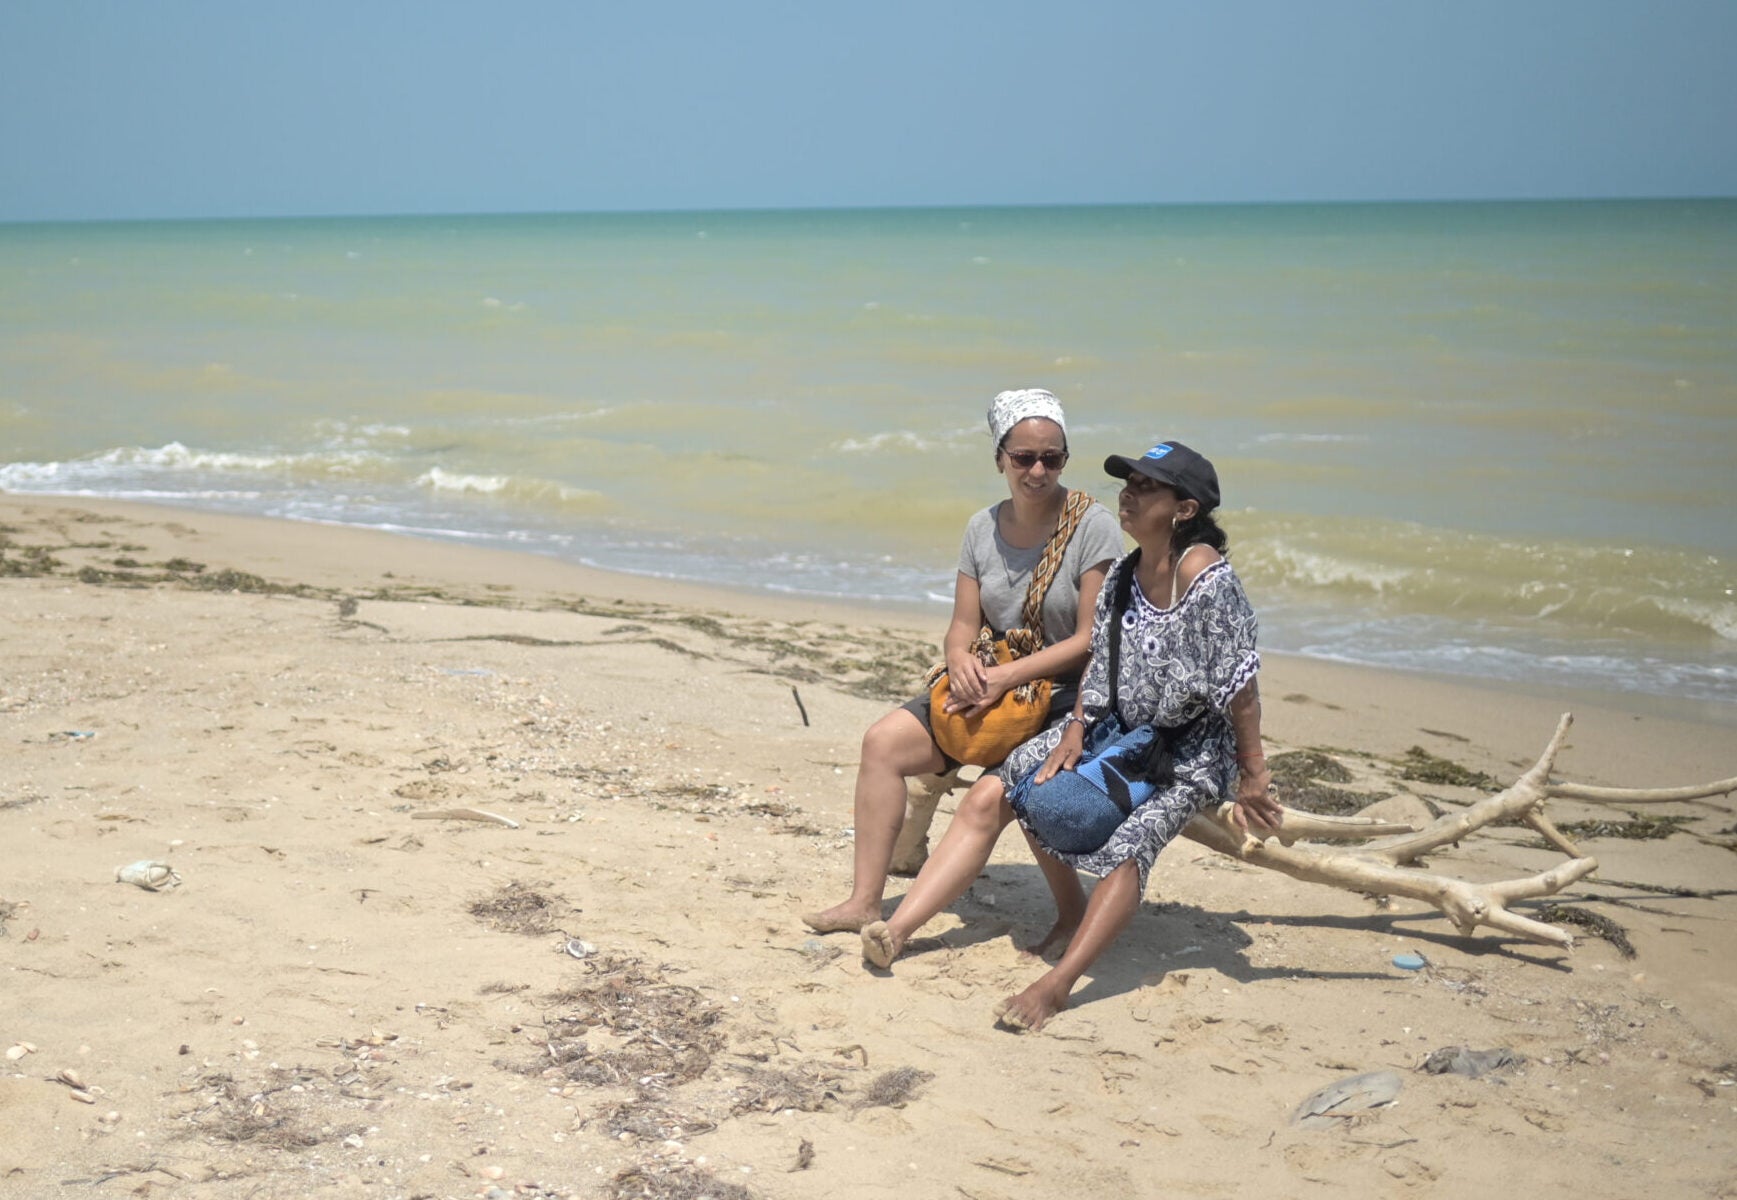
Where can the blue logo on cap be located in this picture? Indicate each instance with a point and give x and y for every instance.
(1158, 451)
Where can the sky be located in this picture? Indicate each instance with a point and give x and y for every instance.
(111, 109)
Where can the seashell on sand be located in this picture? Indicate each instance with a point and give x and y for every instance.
(150, 875)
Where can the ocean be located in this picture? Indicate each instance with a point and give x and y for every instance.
(1489, 440)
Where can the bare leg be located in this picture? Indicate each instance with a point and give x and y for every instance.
(1113, 904)
(1070, 899)
(895, 746)
(954, 865)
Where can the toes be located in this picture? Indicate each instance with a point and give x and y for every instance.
(877, 944)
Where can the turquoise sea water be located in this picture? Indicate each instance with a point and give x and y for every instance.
(1487, 439)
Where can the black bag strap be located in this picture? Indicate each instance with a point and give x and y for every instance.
(1119, 597)
(1158, 764)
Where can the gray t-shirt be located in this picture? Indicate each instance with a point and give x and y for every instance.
(1003, 572)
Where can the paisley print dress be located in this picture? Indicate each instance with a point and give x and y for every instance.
(1177, 664)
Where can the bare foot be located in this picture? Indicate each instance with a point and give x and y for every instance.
(880, 945)
(841, 918)
(1055, 942)
(1030, 1009)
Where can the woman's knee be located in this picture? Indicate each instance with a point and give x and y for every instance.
(898, 742)
(985, 804)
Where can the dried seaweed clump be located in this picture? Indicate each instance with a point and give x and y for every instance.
(27, 561)
(269, 1114)
(1419, 764)
(1594, 924)
(1636, 828)
(807, 1087)
(1303, 778)
(650, 1122)
(229, 580)
(892, 1089)
(705, 624)
(515, 908)
(673, 1179)
(22, 801)
(890, 674)
(660, 1034)
(1304, 766)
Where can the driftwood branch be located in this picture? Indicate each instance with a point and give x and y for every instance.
(1383, 866)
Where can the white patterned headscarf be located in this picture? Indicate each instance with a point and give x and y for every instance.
(1021, 404)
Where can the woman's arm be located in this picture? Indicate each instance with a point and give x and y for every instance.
(967, 678)
(1063, 658)
(1256, 804)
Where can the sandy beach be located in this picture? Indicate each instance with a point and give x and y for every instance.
(609, 993)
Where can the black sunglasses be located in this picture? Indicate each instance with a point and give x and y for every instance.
(1053, 460)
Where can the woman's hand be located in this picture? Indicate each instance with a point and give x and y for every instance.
(1257, 802)
(967, 681)
(1067, 752)
(996, 684)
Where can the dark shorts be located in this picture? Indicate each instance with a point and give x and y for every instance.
(1061, 702)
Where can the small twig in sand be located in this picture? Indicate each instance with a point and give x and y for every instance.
(464, 814)
(797, 696)
(847, 1051)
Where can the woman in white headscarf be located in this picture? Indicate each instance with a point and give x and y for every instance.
(1001, 548)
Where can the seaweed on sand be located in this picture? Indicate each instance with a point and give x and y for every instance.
(515, 908)
(892, 1089)
(806, 1087)
(1638, 827)
(285, 1111)
(673, 1179)
(1304, 779)
(660, 1034)
(1594, 924)
(1420, 765)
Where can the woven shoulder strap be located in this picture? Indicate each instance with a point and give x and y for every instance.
(1042, 575)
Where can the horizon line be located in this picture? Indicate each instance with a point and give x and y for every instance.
(673, 211)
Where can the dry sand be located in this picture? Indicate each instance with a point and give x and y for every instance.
(344, 998)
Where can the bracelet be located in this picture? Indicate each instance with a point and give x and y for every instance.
(1070, 719)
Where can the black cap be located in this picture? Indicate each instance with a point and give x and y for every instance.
(1175, 465)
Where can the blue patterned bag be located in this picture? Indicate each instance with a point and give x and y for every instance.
(1076, 811)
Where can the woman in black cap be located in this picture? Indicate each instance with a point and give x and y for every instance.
(1184, 648)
